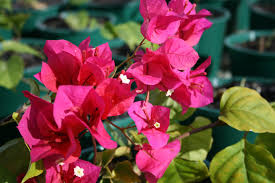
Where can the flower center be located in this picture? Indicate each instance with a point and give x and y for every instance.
(79, 172)
(157, 125)
(124, 79)
(169, 93)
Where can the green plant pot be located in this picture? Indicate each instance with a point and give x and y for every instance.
(248, 62)
(211, 43)
(115, 8)
(11, 100)
(5, 33)
(34, 15)
(131, 12)
(74, 36)
(261, 19)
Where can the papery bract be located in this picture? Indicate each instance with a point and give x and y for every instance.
(154, 162)
(152, 121)
(196, 90)
(117, 97)
(178, 18)
(87, 107)
(45, 139)
(71, 65)
(154, 70)
(181, 56)
(67, 173)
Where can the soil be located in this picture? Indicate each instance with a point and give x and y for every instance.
(60, 23)
(262, 44)
(266, 6)
(29, 60)
(56, 23)
(266, 90)
(41, 4)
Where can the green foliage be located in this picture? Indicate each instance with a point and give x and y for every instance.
(35, 169)
(266, 140)
(14, 160)
(244, 109)
(123, 173)
(6, 4)
(34, 87)
(19, 48)
(11, 72)
(243, 162)
(196, 146)
(16, 22)
(78, 2)
(184, 171)
(159, 98)
(81, 20)
(129, 32)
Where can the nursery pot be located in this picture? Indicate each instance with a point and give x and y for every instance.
(211, 43)
(5, 33)
(248, 62)
(115, 7)
(34, 15)
(261, 18)
(71, 35)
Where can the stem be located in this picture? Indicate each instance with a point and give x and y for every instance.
(147, 95)
(132, 56)
(95, 150)
(245, 135)
(122, 131)
(196, 130)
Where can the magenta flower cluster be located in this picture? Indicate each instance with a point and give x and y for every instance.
(86, 94)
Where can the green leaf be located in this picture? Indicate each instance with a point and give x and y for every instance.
(20, 48)
(14, 160)
(244, 109)
(184, 171)
(243, 162)
(272, 105)
(6, 4)
(11, 72)
(122, 151)
(34, 87)
(78, 2)
(159, 98)
(107, 156)
(196, 146)
(78, 21)
(108, 31)
(266, 140)
(124, 173)
(130, 33)
(35, 170)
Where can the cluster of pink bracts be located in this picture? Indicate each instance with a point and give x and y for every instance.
(86, 96)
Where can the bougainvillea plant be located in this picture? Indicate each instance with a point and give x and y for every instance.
(88, 94)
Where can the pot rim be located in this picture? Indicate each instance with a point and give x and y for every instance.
(42, 27)
(261, 11)
(233, 39)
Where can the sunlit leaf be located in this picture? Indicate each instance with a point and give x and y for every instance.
(243, 162)
(11, 72)
(184, 171)
(244, 109)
